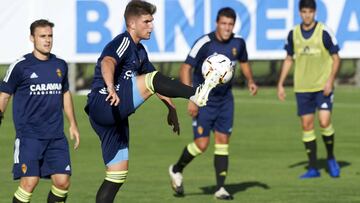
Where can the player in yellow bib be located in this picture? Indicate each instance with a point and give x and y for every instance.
(315, 52)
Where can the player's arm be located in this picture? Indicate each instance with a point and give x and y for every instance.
(69, 112)
(172, 117)
(286, 66)
(246, 70)
(4, 100)
(335, 68)
(108, 65)
(185, 77)
(333, 49)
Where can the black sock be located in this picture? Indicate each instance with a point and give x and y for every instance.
(329, 144)
(183, 161)
(15, 200)
(311, 152)
(52, 198)
(221, 163)
(107, 192)
(170, 87)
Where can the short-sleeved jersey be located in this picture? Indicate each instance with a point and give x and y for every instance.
(131, 60)
(234, 49)
(37, 87)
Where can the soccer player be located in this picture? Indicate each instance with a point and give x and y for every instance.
(38, 82)
(218, 114)
(124, 78)
(315, 51)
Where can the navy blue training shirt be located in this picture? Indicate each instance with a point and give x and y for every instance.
(234, 49)
(131, 60)
(37, 88)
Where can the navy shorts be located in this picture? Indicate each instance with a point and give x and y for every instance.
(308, 102)
(111, 122)
(41, 158)
(217, 116)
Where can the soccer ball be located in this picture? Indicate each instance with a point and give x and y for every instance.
(220, 63)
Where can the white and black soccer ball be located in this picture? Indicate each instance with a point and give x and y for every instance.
(220, 63)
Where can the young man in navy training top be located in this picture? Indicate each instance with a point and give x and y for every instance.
(124, 78)
(38, 82)
(315, 52)
(218, 114)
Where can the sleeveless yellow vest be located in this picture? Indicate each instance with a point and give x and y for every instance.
(313, 62)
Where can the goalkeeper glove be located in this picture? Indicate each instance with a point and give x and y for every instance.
(1, 116)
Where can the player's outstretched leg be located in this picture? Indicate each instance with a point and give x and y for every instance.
(157, 82)
(328, 135)
(110, 186)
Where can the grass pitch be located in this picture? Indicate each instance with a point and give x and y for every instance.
(266, 155)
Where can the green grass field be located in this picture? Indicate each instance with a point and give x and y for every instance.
(266, 155)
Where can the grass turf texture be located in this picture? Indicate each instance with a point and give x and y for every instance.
(266, 155)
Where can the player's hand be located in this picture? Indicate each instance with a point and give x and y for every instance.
(328, 88)
(253, 88)
(74, 133)
(193, 109)
(112, 97)
(172, 120)
(281, 93)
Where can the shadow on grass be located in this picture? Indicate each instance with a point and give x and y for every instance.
(322, 164)
(231, 188)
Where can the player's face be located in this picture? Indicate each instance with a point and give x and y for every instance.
(143, 26)
(308, 16)
(42, 39)
(224, 28)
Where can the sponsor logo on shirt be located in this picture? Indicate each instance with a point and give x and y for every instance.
(33, 75)
(45, 89)
(128, 75)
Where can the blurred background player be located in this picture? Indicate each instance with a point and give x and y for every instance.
(315, 51)
(218, 115)
(40, 87)
(124, 78)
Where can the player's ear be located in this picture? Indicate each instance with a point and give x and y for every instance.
(32, 38)
(131, 23)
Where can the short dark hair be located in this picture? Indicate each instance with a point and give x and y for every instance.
(307, 4)
(227, 12)
(40, 23)
(138, 8)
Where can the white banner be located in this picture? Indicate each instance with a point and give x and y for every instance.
(83, 27)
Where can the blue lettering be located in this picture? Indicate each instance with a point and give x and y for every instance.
(240, 10)
(351, 8)
(264, 24)
(85, 26)
(175, 17)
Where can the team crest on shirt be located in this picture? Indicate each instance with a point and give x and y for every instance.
(59, 73)
(23, 168)
(234, 52)
(200, 130)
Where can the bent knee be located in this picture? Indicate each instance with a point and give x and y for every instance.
(62, 185)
